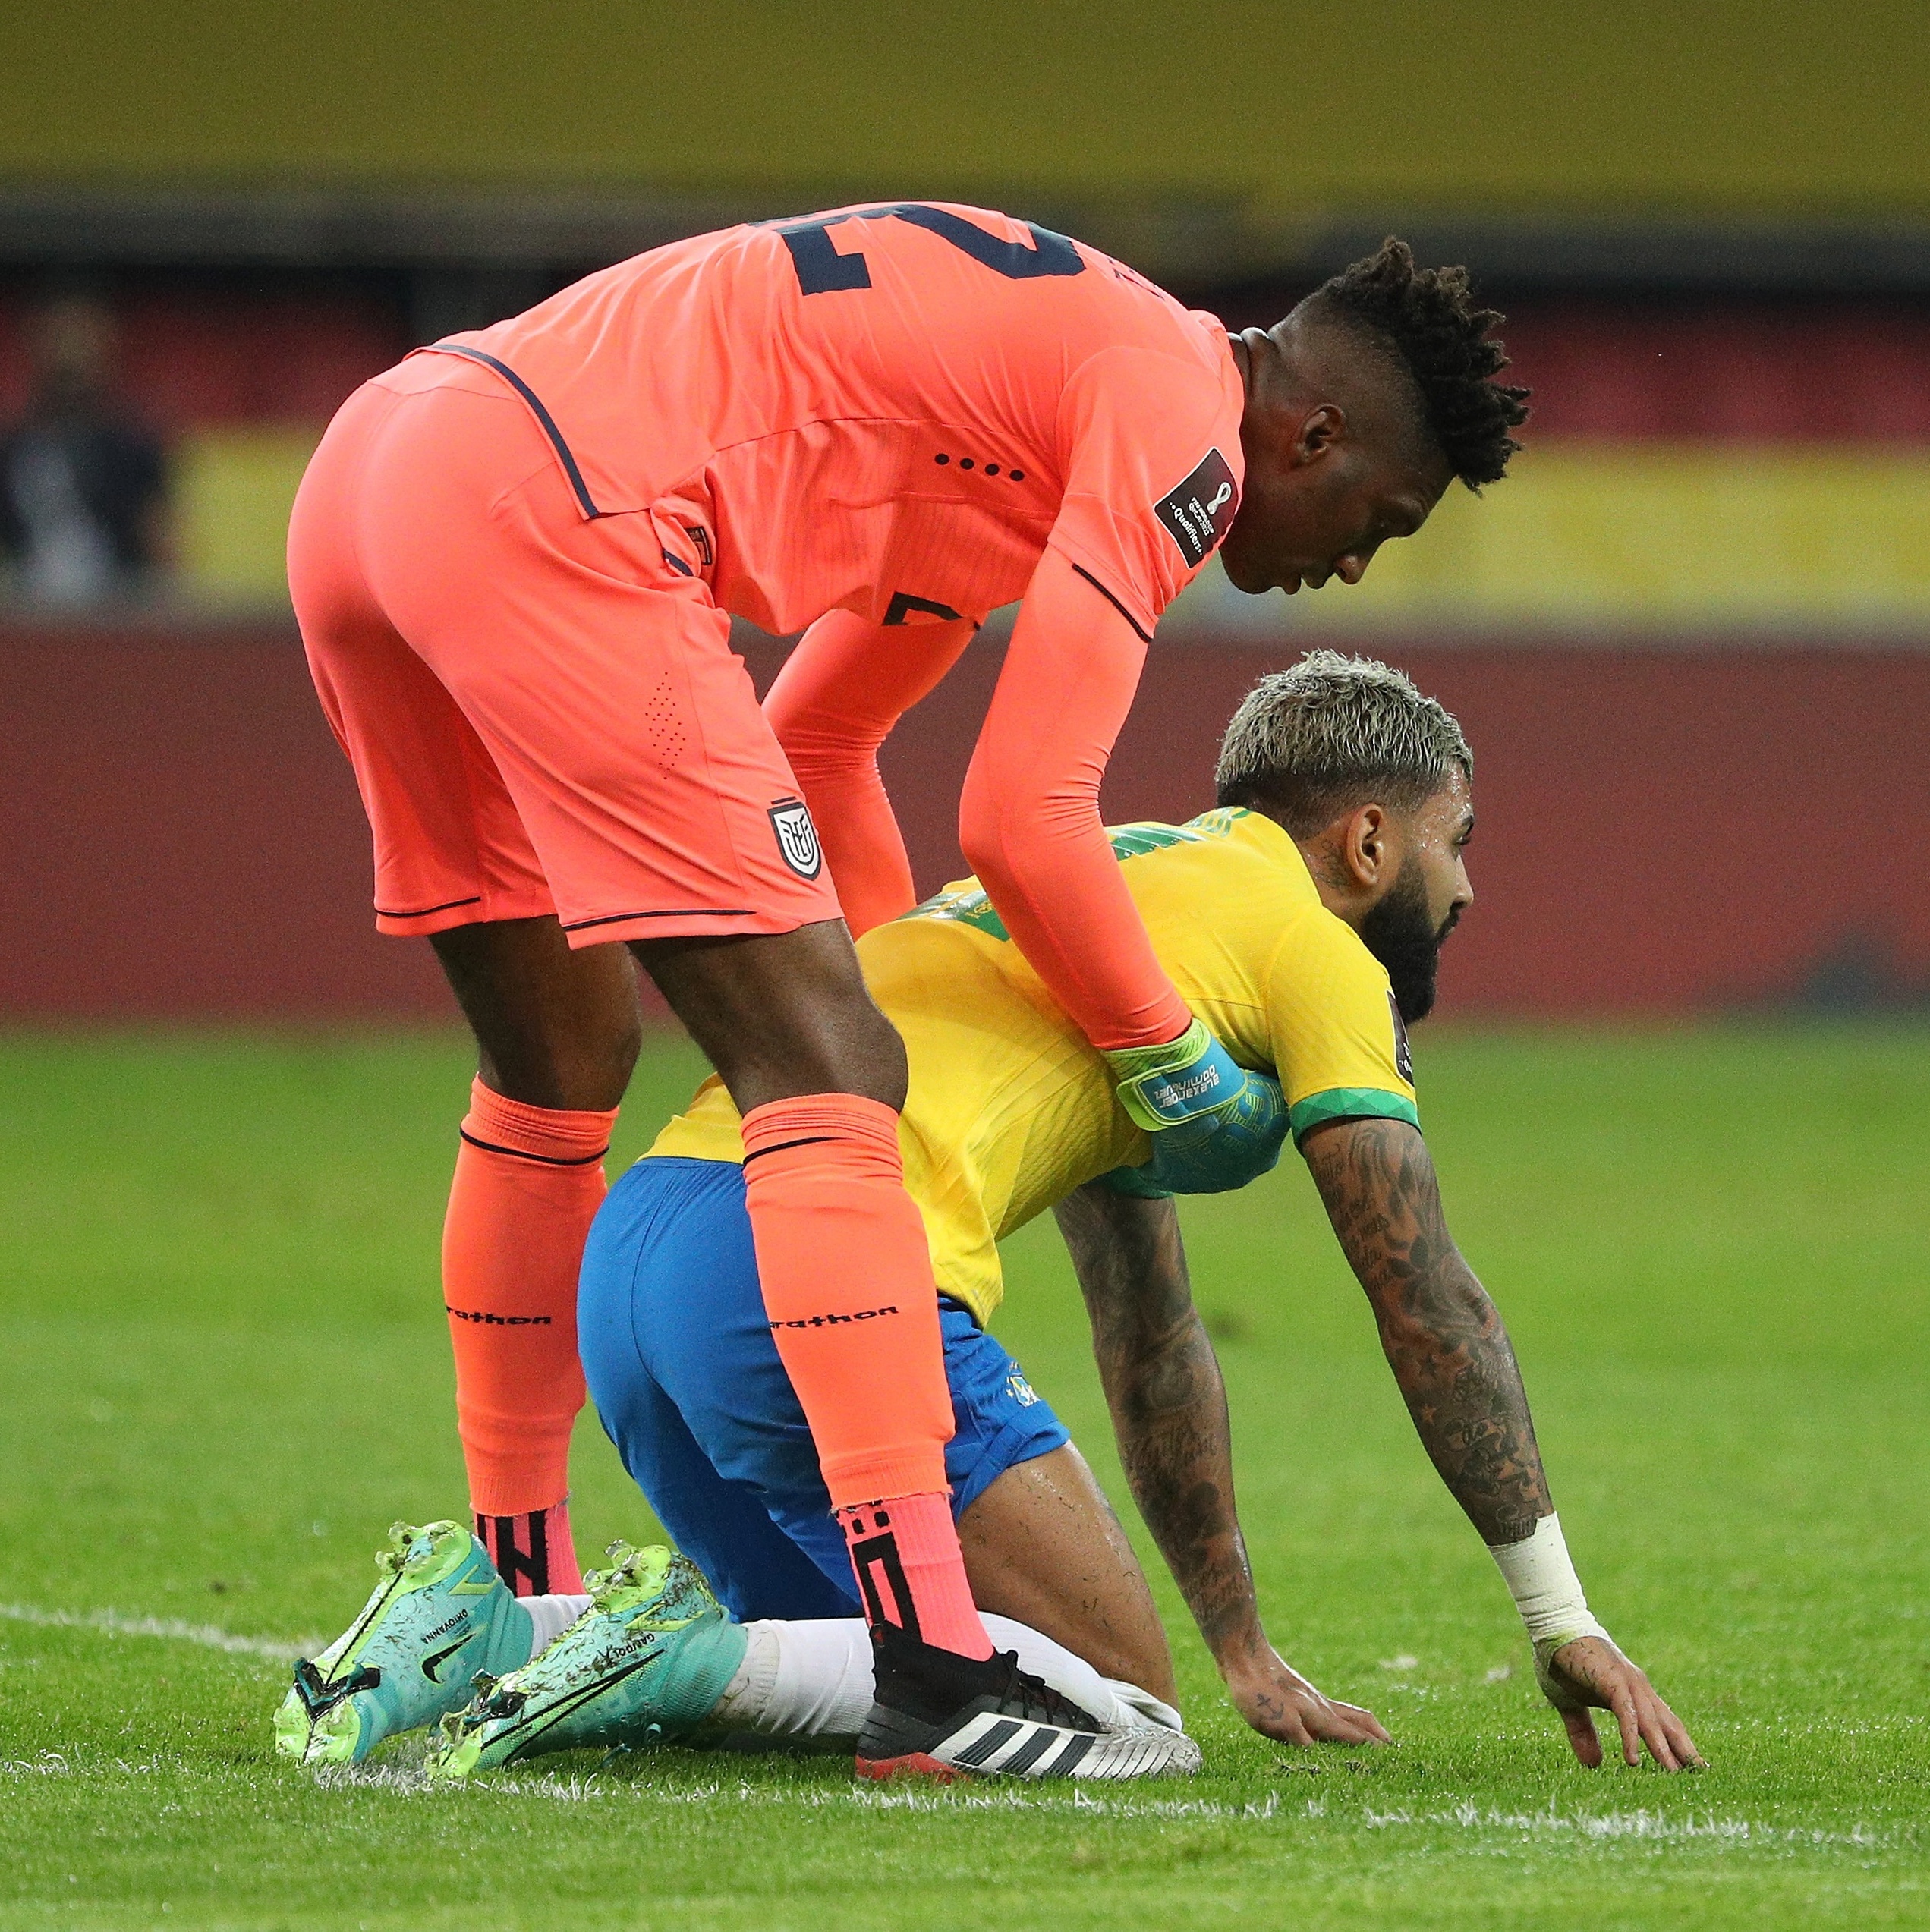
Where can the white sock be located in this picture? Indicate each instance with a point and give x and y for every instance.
(813, 1679)
(802, 1679)
(1143, 1710)
(808, 1679)
(1125, 1707)
(551, 1616)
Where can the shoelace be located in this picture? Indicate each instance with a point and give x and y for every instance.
(1042, 1703)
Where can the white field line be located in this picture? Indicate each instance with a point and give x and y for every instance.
(407, 1777)
(1651, 1825)
(111, 1623)
(55, 1764)
(412, 1779)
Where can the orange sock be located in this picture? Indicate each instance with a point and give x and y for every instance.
(904, 1554)
(848, 1286)
(534, 1551)
(528, 1180)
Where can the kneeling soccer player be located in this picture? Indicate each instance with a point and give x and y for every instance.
(1304, 919)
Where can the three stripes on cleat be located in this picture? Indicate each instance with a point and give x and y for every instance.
(1010, 1745)
(1017, 1749)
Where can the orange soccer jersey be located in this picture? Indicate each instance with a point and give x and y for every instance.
(892, 411)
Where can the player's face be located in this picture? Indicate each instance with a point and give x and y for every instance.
(1322, 508)
(1407, 926)
(1338, 462)
(1443, 827)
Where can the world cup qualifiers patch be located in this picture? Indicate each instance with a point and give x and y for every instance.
(1199, 512)
(797, 837)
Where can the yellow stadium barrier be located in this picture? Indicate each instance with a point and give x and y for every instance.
(1658, 537)
(233, 488)
(1616, 537)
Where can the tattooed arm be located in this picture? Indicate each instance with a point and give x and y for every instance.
(1169, 1406)
(1442, 1337)
(1456, 1369)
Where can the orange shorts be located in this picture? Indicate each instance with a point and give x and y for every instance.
(543, 716)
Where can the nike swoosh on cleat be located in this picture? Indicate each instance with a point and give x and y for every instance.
(430, 1664)
(539, 1721)
(473, 1587)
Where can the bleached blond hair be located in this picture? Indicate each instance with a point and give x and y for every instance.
(1333, 732)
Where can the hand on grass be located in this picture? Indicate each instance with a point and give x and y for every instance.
(1590, 1673)
(1278, 1703)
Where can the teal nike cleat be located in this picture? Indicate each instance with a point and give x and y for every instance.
(439, 1615)
(646, 1663)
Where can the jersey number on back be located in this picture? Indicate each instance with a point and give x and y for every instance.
(821, 268)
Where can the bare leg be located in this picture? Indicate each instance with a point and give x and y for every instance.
(777, 1015)
(1043, 1546)
(553, 1027)
(782, 1014)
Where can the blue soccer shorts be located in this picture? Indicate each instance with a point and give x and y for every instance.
(677, 1350)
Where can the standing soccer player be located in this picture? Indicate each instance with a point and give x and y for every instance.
(514, 559)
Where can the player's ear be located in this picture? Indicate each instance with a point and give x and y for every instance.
(1320, 428)
(1364, 846)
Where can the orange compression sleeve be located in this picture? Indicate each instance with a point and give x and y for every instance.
(1029, 822)
(840, 692)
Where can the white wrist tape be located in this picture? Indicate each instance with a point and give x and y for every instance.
(1541, 1579)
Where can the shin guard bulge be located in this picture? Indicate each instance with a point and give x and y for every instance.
(528, 1182)
(848, 1287)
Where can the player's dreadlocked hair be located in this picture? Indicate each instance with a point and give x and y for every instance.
(1427, 316)
(1330, 733)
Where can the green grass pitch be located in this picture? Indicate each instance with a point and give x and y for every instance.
(226, 1373)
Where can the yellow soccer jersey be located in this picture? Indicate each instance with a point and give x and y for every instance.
(1009, 1108)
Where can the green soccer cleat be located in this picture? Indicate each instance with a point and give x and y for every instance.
(646, 1663)
(440, 1615)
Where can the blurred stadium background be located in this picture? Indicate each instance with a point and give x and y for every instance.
(1690, 636)
(1690, 639)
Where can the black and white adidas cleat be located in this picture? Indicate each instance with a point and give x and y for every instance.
(935, 1714)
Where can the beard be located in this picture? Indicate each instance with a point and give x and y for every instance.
(1402, 935)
